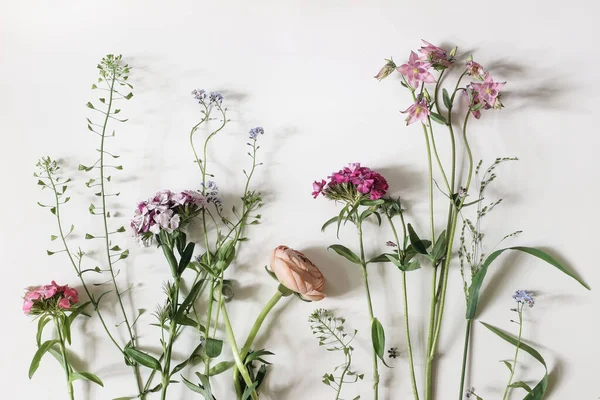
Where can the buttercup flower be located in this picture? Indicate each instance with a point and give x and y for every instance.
(419, 111)
(386, 70)
(298, 273)
(351, 184)
(416, 71)
(51, 297)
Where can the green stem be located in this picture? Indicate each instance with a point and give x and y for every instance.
(348, 362)
(174, 302)
(136, 368)
(236, 352)
(464, 361)
(514, 364)
(65, 360)
(370, 303)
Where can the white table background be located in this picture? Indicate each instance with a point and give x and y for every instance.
(304, 70)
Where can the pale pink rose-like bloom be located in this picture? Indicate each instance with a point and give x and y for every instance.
(298, 273)
(417, 112)
(416, 71)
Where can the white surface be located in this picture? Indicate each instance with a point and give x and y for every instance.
(303, 70)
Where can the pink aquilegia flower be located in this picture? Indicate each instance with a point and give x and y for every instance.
(49, 298)
(488, 91)
(475, 69)
(419, 111)
(416, 71)
(166, 211)
(437, 56)
(352, 183)
(386, 70)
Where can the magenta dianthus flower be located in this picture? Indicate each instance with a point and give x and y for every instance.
(352, 183)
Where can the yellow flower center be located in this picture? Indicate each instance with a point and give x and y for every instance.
(416, 70)
(418, 110)
(488, 91)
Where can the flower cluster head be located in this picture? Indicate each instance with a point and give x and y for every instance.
(352, 184)
(254, 132)
(524, 297)
(166, 211)
(214, 98)
(49, 298)
(297, 273)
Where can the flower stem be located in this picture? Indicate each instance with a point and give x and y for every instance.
(464, 361)
(514, 364)
(370, 303)
(236, 352)
(65, 360)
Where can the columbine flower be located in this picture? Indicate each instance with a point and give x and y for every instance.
(475, 69)
(351, 184)
(53, 297)
(436, 55)
(386, 70)
(254, 132)
(215, 98)
(524, 297)
(416, 71)
(488, 91)
(417, 112)
(166, 211)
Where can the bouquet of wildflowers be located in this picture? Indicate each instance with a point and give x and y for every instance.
(196, 291)
(362, 195)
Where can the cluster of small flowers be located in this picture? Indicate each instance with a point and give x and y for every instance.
(164, 212)
(254, 132)
(49, 297)
(524, 297)
(366, 182)
(212, 194)
(214, 98)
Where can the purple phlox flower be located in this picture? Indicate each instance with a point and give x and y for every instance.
(524, 297)
(435, 55)
(254, 132)
(488, 91)
(416, 71)
(419, 111)
(199, 94)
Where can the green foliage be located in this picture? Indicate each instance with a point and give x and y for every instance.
(330, 332)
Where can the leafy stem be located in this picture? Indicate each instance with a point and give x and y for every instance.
(518, 346)
(65, 360)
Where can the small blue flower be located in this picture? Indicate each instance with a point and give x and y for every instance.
(524, 297)
(254, 132)
(215, 98)
(199, 94)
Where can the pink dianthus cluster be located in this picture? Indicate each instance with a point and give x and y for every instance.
(364, 179)
(64, 296)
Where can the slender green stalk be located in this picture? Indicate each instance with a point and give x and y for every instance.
(464, 361)
(514, 363)
(363, 263)
(65, 360)
(236, 352)
(348, 362)
(135, 366)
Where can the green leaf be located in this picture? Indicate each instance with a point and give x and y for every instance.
(416, 243)
(42, 322)
(213, 347)
(220, 368)
(508, 365)
(413, 265)
(370, 203)
(88, 376)
(35, 362)
(143, 359)
(478, 278)
(345, 252)
(380, 258)
(257, 355)
(378, 338)
(249, 390)
(329, 222)
(446, 98)
(88, 236)
(189, 300)
(438, 118)
(439, 248)
(186, 257)
(537, 393)
(522, 385)
(66, 328)
(225, 255)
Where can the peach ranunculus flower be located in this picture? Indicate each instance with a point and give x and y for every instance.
(298, 273)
